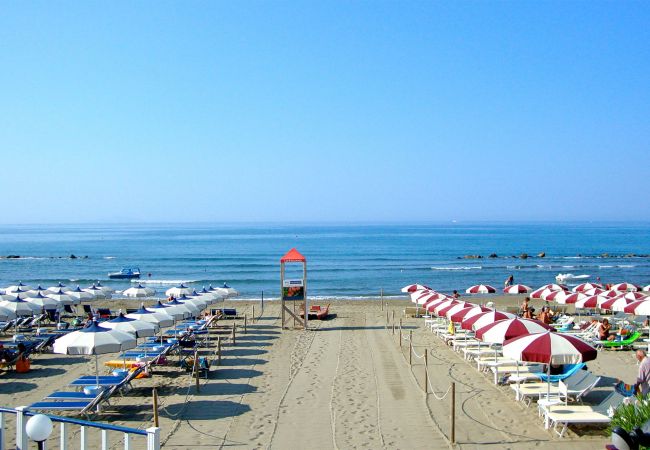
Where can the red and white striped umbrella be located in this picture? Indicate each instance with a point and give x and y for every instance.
(594, 291)
(414, 287)
(517, 289)
(635, 296)
(550, 295)
(616, 304)
(638, 308)
(436, 302)
(570, 298)
(626, 287)
(430, 307)
(586, 286)
(501, 330)
(466, 313)
(417, 294)
(646, 288)
(452, 309)
(480, 320)
(589, 302)
(549, 348)
(480, 289)
(555, 287)
(421, 297)
(444, 305)
(610, 294)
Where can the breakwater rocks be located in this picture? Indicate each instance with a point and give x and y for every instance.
(543, 255)
(72, 256)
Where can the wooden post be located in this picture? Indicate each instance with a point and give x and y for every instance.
(245, 323)
(155, 407)
(253, 314)
(387, 321)
(400, 334)
(453, 413)
(381, 293)
(234, 340)
(426, 370)
(218, 350)
(411, 348)
(196, 368)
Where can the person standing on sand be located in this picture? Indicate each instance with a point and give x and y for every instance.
(524, 306)
(643, 380)
(509, 281)
(455, 294)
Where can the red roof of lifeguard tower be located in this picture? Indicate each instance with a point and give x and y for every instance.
(293, 255)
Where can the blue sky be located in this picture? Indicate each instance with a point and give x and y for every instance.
(332, 111)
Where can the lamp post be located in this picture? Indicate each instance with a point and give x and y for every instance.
(39, 428)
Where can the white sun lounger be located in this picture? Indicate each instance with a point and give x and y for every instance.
(582, 414)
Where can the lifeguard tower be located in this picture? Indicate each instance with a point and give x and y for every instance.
(294, 291)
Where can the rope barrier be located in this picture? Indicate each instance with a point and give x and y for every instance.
(416, 355)
(434, 392)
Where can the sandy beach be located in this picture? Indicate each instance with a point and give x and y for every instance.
(344, 384)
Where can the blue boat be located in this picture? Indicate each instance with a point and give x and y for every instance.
(126, 273)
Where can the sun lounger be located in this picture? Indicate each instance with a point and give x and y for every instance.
(568, 370)
(82, 406)
(581, 414)
(577, 386)
(512, 369)
(625, 343)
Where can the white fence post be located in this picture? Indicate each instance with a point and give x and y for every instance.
(82, 438)
(126, 441)
(21, 433)
(2, 431)
(153, 438)
(63, 439)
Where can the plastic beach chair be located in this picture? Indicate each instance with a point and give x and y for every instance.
(568, 370)
(582, 414)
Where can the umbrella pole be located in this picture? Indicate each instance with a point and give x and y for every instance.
(96, 371)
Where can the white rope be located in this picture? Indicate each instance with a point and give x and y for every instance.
(433, 391)
(416, 355)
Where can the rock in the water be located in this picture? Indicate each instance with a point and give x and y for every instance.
(524, 256)
(73, 256)
(542, 255)
(493, 255)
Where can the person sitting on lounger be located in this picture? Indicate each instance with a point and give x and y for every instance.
(605, 331)
(5, 355)
(22, 363)
(530, 313)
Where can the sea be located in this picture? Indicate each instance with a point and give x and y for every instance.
(343, 260)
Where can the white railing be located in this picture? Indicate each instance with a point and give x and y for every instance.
(66, 426)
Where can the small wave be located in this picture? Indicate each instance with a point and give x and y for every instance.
(605, 267)
(457, 268)
(626, 266)
(568, 267)
(162, 281)
(109, 257)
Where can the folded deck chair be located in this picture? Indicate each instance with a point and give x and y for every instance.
(582, 414)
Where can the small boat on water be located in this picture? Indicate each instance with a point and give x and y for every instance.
(126, 273)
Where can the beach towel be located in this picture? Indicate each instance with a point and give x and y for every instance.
(626, 390)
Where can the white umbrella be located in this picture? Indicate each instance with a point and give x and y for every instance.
(215, 296)
(22, 293)
(626, 287)
(19, 286)
(94, 340)
(59, 287)
(192, 309)
(177, 291)
(197, 302)
(19, 307)
(138, 291)
(44, 302)
(136, 328)
(230, 292)
(80, 294)
(646, 288)
(170, 310)
(98, 293)
(162, 320)
(38, 290)
(64, 298)
(207, 298)
(106, 289)
(6, 314)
